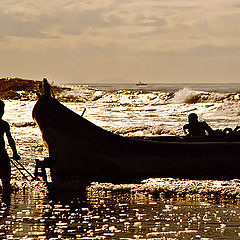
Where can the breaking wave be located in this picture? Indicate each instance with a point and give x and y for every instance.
(145, 97)
(176, 186)
(187, 95)
(144, 130)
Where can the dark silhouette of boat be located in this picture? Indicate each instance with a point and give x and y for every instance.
(83, 152)
(141, 84)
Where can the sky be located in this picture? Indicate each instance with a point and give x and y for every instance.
(115, 41)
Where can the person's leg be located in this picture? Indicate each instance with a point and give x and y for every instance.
(6, 189)
(6, 184)
(6, 177)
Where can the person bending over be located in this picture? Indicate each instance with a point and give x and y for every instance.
(5, 167)
(194, 128)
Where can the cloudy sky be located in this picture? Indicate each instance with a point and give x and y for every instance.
(164, 41)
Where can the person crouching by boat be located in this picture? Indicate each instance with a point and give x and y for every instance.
(5, 167)
(194, 128)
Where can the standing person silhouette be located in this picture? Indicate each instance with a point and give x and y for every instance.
(5, 167)
(194, 128)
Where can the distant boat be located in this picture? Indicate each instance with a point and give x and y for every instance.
(141, 84)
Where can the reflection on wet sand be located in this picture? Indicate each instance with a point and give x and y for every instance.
(119, 215)
(22, 215)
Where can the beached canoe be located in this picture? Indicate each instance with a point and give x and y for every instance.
(81, 151)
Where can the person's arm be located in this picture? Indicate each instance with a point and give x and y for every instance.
(185, 127)
(209, 130)
(12, 144)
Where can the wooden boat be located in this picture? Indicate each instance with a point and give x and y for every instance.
(83, 152)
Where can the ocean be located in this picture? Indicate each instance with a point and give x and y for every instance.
(149, 210)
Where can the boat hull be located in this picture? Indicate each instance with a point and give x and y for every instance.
(81, 151)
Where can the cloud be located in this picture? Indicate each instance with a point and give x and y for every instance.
(77, 22)
(214, 51)
(110, 38)
(35, 20)
(229, 22)
(154, 21)
(11, 26)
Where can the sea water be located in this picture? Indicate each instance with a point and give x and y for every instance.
(153, 209)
